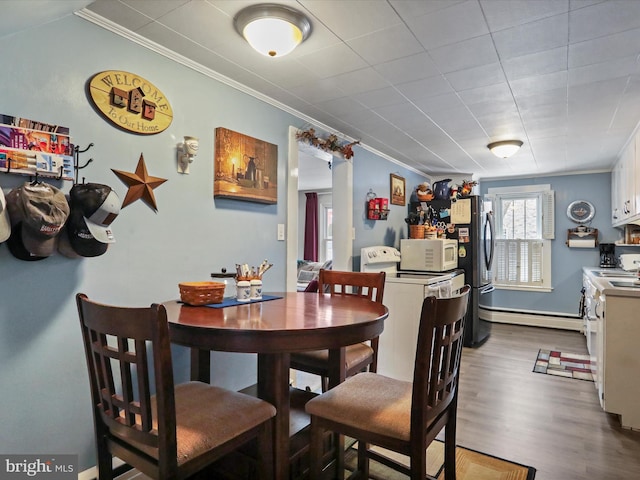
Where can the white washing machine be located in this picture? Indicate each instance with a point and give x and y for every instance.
(404, 293)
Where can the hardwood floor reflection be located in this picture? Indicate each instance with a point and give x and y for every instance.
(551, 423)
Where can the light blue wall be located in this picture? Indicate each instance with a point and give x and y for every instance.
(373, 172)
(43, 379)
(567, 262)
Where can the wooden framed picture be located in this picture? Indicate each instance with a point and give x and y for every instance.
(398, 196)
(245, 168)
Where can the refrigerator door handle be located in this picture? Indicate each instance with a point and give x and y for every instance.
(488, 256)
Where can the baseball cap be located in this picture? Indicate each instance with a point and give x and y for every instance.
(17, 248)
(42, 211)
(80, 238)
(99, 206)
(5, 221)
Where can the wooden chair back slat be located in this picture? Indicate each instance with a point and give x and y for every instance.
(118, 343)
(366, 284)
(438, 356)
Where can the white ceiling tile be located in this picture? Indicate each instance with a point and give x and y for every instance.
(533, 37)
(407, 69)
(434, 30)
(386, 45)
(426, 87)
(434, 103)
(619, 67)
(402, 115)
(153, 8)
(536, 99)
(541, 83)
(482, 76)
(417, 8)
(333, 61)
(363, 80)
(318, 91)
(466, 54)
(381, 97)
(539, 63)
(603, 49)
(603, 19)
(206, 25)
(119, 13)
(340, 106)
(500, 92)
(458, 123)
(501, 15)
(352, 19)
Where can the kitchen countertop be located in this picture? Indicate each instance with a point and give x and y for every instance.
(604, 283)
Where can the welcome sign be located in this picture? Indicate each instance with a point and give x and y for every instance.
(130, 102)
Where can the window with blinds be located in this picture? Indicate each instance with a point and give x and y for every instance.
(519, 262)
(524, 227)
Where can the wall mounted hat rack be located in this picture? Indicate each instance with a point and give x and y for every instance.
(76, 161)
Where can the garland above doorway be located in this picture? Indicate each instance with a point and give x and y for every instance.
(329, 145)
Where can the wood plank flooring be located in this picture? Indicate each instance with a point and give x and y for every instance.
(551, 423)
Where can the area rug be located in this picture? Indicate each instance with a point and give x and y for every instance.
(563, 364)
(470, 465)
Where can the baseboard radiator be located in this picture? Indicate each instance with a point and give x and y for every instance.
(533, 319)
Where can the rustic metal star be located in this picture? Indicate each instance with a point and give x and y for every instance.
(140, 184)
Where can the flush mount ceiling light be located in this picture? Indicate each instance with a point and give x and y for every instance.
(505, 148)
(271, 29)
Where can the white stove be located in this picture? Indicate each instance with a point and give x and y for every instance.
(379, 259)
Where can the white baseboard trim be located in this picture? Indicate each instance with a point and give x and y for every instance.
(532, 319)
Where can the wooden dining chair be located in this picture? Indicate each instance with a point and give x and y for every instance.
(179, 430)
(360, 356)
(401, 416)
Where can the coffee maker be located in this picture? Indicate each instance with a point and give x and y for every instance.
(608, 255)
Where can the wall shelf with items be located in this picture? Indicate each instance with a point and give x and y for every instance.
(377, 208)
(33, 148)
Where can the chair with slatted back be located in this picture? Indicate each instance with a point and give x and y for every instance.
(401, 416)
(358, 357)
(176, 432)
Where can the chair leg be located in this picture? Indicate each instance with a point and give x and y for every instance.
(265, 452)
(339, 455)
(315, 450)
(450, 447)
(363, 460)
(105, 461)
(325, 384)
(418, 464)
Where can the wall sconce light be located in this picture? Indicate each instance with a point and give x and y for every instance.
(272, 30)
(186, 153)
(505, 148)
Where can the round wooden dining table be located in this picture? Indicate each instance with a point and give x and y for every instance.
(293, 322)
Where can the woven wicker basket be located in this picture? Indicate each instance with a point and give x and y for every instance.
(201, 293)
(416, 231)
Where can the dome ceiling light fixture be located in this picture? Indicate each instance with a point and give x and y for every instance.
(505, 148)
(271, 29)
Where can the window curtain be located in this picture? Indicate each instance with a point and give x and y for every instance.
(311, 228)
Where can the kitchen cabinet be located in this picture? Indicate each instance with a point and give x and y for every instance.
(613, 330)
(625, 185)
(624, 201)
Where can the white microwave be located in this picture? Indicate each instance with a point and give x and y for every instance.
(437, 255)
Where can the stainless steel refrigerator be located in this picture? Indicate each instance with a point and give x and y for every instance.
(470, 221)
